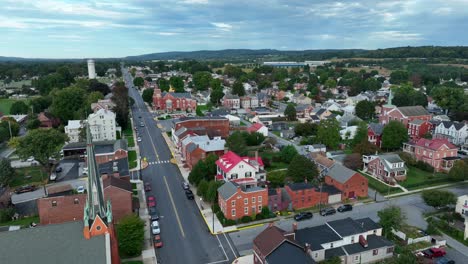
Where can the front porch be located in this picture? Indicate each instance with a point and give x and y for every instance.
(448, 162)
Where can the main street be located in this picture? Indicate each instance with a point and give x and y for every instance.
(184, 233)
(412, 205)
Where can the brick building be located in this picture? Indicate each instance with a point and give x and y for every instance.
(439, 153)
(48, 120)
(106, 151)
(196, 148)
(231, 101)
(237, 200)
(245, 170)
(374, 134)
(387, 167)
(171, 101)
(404, 114)
(214, 126)
(418, 128)
(352, 184)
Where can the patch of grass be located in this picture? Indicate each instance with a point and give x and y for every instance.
(242, 123)
(5, 104)
(380, 187)
(132, 159)
(23, 222)
(277, 133)
(22, 176)
(419, 245)
(410, 231)
(130, 141)
(417, 178)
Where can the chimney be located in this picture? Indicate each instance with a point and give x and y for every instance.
(307, 247)
(294, 227)
(271, 224)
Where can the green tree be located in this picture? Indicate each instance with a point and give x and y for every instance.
(328, 133)
(438, 198)
(67, 103)
(215, 84)
(406, 95)
(290, 112)
(19, 108)
(253, 139)
(365, 110)
(282, 85)
(8, 124)
(212, 192)
(391, 217)
(6, 172)
(121, 100)
(33, 123)
(288, 153)
(361, 134)
(393, 135)
(41, 103)
(372, 84)
(197, 173)
(305, 129)
(147, 95)
(365, 148)
(138, 81)
(41, 144)
(302, 168)
(201, 80)
(177, 83)
(459, 171)
(449, 98)
(96, 86)
(397, 77)
(276, 179)
(216, 96)
(238, 88)
(236, 143)
(131, 235)
(163, 84)
(330, 83)
(91, 98)
(202, 188)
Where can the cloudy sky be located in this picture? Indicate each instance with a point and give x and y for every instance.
(112, 28)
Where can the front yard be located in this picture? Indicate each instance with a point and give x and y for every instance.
(132, 159)
(380, 186)
(29, 175)
(417, 178)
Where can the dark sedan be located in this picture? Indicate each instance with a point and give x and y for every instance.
(303, 216)
(345, 208)
(25, 189)
(189, 194)
(327, 211)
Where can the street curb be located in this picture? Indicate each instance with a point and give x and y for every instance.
(250, 226)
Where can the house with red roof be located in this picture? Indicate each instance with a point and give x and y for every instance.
(439, 153)
(259, 128)
(242, 170)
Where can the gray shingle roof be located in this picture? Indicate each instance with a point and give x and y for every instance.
(178, 95)
(300, 186)
(417, 122)
(346, 227)
(416, 110)
(457, 125)
(287, 252)
(367, 224)
(57, 243)
(373, 242)
(340, 173)
(377, 128)
(227, 190)
(316, 236)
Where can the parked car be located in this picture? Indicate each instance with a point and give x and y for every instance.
(30, 159)
(327, 211)
(444, 260)
(58, 169)
(139, 139)
(189, 194)
(147, 187)
(185, 185)
(345, 208)
(53, 177)
(434, 253)
(85, 171)
(303, 216)
(155, 228)
(25, 189)
(80, 189)
(151, 201)
(154, 214)
(142, 124)
(157, 241)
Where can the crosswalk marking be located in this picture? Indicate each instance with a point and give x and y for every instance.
(159, 162)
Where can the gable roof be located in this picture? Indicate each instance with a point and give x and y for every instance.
(227, 190)
(255, 127)
(269, 239)
(116, 182)
(301, 186)
(416, 110)
(346, 227)
(288, 252)
(434, 144)
(340, 173)
(316, 236)
(228, 161)
(417, 122)
(456, 125)
(377, 128)
(177, 95)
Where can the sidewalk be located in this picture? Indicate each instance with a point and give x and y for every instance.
(423, 189)
(148, 254)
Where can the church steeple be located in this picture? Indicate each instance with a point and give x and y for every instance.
(97, 215)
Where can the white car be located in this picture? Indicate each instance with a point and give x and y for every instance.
(85, 171)
(80, 189)
(139, 139)
(155, 228)
(30, 159)
(53, 177)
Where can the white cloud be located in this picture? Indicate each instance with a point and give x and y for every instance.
(70, 37)
(443, 11)
(222, 26)
(396, 35)
(202, 2)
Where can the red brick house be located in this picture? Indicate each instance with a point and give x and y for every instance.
(196, 148)
(278, 200)
(170, 101)
(404, 114)
(374, 134)
(237, 201)
(60, 209)
(305, 195)
(48, 120)
(439, 153)
(418, 128)
(352, 184)
(387, 167)
(231, 101)
(214, 126)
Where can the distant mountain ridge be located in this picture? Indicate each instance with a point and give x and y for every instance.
(258, 55)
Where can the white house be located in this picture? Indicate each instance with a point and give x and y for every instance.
(245, 170)
(462, 205)
(259, 128)
(103, 125)
(348, 132)
(73, 130)
(455, 132)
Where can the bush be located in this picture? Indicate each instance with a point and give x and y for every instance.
(424, 166)
(246, 219)
(407, 158)
(6, 214)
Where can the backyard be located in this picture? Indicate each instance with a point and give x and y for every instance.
(417, 178)
(29, 175)
(132, 159)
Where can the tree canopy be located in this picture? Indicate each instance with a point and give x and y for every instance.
(6, 172)
(121, 100)
(131, 235)
(329, 133)
(19, 108)
(147, 95)
(393, 135)
(288, 153)
(365, 109)
(438, 198)
(391, 217)
(459, 171)
(67, 102)
(202, 80)
(177, 83)
(290, 112)
(238, 88)
(302, 168)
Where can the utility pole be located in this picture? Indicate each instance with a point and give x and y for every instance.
(9, 126)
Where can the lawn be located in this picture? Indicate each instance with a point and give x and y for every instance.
(381, 187)
(130, 141)
(5, 104)
(21, 173)
(132, 159)
(416, 179)
(24, 222)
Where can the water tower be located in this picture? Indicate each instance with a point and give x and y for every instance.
(91, 69)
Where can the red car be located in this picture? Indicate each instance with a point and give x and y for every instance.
(157, 241)
(434, 253)
(147, 187)
(151, 201)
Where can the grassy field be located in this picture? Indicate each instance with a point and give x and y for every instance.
(416, 179)
(131, 141)
(132, 159)
(380, 187)
(24, 222)
(22, 176)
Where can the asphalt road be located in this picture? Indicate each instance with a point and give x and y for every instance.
(184, 233)
(412, 205)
